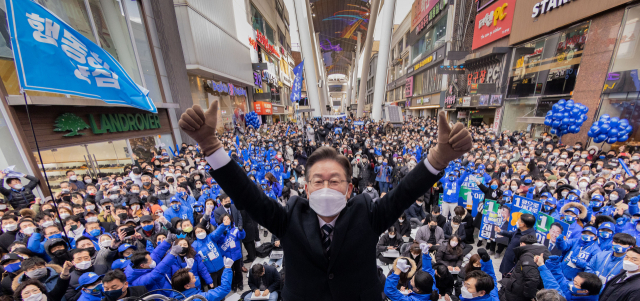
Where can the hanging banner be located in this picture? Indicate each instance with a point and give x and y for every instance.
(297, 82)
(522, 205)
(470, 195)
(51, 56)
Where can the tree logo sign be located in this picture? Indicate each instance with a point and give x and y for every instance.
(70, 122)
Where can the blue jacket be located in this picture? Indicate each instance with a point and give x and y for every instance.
(415, 211)
(209, 251)
(487, 267)
(216, 294)
(157, 277)
(450, 189)
(606, 265)
(36, 245)
(623, 225)
(383, 173)
(185, 212)
(605, 244)
(553, 279)
(576, 253)
(84, 296)
(277, 189)
(575, 231)
(632, 230)
(392, 292)
(188, 201)
(231, 243)
(197, 268)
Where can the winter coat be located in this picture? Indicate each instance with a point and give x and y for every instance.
(373, 194)
(158, 277)
(415, 211)
(383, 173)
(423, 235)
(451, 189)
(605, 265)
(198, 268)
(53, 274)
(509, 260)
(386, 241)
(270, 279)
(391, 284)
(449, 257)
(617, 289)
(209, 251)
(525, 280)
(184, 212)
(216, 294)
(231, 243)
(577, 254)
(403, 229)
(448, 232)
(553, 279)
(19, 199)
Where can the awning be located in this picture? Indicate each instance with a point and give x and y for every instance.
(424, 107)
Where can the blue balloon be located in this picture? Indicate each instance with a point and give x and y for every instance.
(550, 113)
(614, 122)
(602, 137)
(613, 132)
(555, 124)
(548, 121)
(555, 108)
(553, 131)
(565, 121)
(575, 112)
(598, 140)
(562, 101)
(612, 140)
(573, 128)
(605, 117)
(623, 138)
(570, 102)
(605, 127)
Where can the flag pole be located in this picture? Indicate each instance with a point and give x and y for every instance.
(44, 170)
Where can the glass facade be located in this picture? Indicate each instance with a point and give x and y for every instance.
(431, 40)
(548, 66)
(427, 82)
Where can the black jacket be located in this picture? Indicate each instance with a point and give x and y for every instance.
(415, 211)
(525, 281)
(235, 214)
(6, 239)
(626, 290)
(270, 280)
(311, 275)
(449, 257)
(386, 241)
(509, 260)
(440, 220)
(448, 232)
(403, 229)
(23, 198)
(132, 291)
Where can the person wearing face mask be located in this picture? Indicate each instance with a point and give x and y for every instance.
(9, 231)
(585, 286)
(389, 241)
(152, 270)
(206, 247)
(524, 280)
(421, 281)
(577, 252)
(150, 228)
(373, 194)
(524, 226)
(384, 173)
(451, 188)
(624, 286)
(19, 196)
(608, 264)
(480, 285)
(37, 269)
(632, 183)
(403, 228)
(188, 258)
(178, 210)
(451, 253)
(34, 290)
(230, 244)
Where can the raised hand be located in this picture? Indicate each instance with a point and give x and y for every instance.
(452, 143)
(201, 126)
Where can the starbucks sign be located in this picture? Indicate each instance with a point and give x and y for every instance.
(105, 123)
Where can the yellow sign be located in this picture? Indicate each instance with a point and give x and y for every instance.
(258, 90)
(424, 62)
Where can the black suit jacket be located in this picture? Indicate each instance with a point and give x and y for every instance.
(270, 279)
(351, 272)
(235, 214)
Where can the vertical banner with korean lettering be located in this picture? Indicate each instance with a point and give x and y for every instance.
(297, 82)
(51, 56)
(470, 195)
(490, 218)
(522, 205)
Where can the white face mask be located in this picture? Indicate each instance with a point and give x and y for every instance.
(64, 215)
(47, 224)
(91, 207)
(631, 185)
(465, 293)
(392, 236)
(514, 188)
(539, 184)
(105, 243)
(73, 178)
(453, 244)
(10, 227)
(201, 235)
(327, 202)
(92, 219)
(572, 179)
(88, 181)
(613, 197)
(17, 186)
(83, 265)
(565, 193)
(34, 297)
(629, 266)
(583, 184)
(29, 231)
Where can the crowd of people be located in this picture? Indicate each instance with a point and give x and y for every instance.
(165, 225)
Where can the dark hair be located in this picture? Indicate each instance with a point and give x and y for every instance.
(459, 210)
(591, 283)
(32, 262)
(138, 258)
(391, 229)
(113, 275)
(557, 224)
(473, 259)
(484, 282)
(256, 270)
(180, 279)
(424, 283)
(456, 219)
(191, 253)
(435, 209)
(457, 250)
(624, 239)
(528, 239)
(9, 216)
(635, 250)
(442, 270)
(528, 219)
(18, 293)
(329, 153)
(505, 207)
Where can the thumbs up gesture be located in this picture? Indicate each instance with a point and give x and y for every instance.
(201, 126)
(452, 143)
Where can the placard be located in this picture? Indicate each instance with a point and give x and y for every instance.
(546, 231)
(520, 206)
(490, 218)
(470, 194)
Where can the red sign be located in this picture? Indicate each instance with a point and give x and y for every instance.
(493, 23)
(420, 10)
(265, 44)
(262, 108)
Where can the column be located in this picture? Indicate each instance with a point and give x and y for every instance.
(383, 59)
(308, 56)
(362, 93)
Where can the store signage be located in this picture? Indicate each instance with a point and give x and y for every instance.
(269, 78)
(452, 69)
(432, 59)
(108, 123)
(259, 66)
(428, 60)
(450, 100)
(622, 81)
(226, 88)
(496, 119)
(462, 114)
(408, 87)
(546, 6)
(496, 101)
(424, 11)
(262, 39)
(494, 23)
(466, 101)
(262, 108)
(257, 78)
(489, 75)
(278, 110)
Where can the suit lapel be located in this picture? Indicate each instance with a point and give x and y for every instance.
(311, 228)
(339, 234)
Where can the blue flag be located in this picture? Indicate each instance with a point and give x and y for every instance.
(297, 82)
(51, 56)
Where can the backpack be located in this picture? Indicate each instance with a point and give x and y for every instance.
(264, 250)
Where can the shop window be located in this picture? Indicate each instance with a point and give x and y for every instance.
(427, 82)
(548, 66)
(627, 55)
(74, 13)
(432, 39)
(269, 33)
(417, 86)
(256, 19)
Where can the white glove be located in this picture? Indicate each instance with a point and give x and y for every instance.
(403, 265)
(228, 262)
(424, 247)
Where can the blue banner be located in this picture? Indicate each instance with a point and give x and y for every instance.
(520, 206)
(470, 196)
(51, 56)
(297, 83)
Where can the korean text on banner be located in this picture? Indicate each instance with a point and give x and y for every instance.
(490, 218)
(470, 195)
(522, 205)
(51, 56)
(297, 83)
(547, 229)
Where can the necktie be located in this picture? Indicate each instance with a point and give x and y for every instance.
(326, 238)
(229, 211)
(551, 245)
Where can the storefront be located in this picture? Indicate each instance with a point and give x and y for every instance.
(232, 100)
(547, 61)
(423, 106)
(279, 113)
(265, 110)
(423, 84)
(95, 141)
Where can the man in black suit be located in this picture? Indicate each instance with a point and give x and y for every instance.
(329, 240)
(227, 208)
